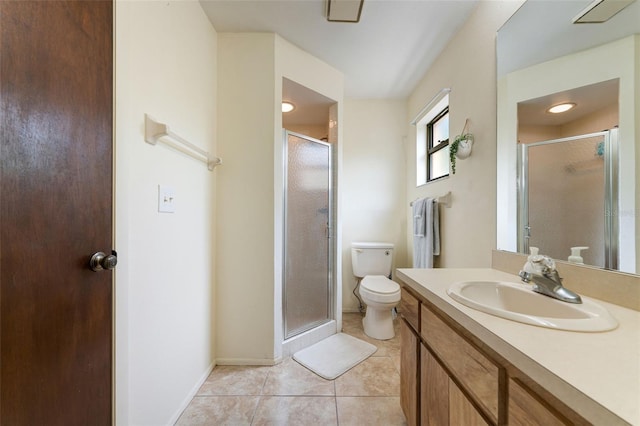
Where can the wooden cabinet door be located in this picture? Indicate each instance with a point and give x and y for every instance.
(434, 388)
(56, 97)
(409, 373)
(525, 409)
(410, 309)
(477, 374)
(461, 411)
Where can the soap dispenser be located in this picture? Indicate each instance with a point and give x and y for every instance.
(529, 265)
(575, 255)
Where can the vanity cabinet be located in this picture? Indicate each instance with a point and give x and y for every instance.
(525, 408)
(442, 401)
(410, 357)
(434, 388)
(410, 309)
(409, 373)
(477, 374)
(447, 377)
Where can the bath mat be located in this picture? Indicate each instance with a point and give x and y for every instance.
(334, 355)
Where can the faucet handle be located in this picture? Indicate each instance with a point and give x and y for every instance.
(525, 276)
(546, 263)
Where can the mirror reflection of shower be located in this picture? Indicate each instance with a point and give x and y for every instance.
(567, 190)
(568, 175)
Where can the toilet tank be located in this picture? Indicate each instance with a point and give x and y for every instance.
(371, 259)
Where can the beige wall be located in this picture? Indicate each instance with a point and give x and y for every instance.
(374, 182)
(165, 67)
(245, 243)
(467, 66)
(249, 245)
(604, 119)
(534, 133)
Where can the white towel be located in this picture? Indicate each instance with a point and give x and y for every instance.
(419, 211)
(426, 230)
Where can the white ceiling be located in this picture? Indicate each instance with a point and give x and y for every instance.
(545, 28)
(383, 56)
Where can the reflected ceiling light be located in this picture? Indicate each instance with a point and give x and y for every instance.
(344, 10)
(287, 106)
(557, 109)
(600, 11)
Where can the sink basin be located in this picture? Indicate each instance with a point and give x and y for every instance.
(518, 302)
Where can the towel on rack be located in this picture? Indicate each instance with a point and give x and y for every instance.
(426, 232)
(419, 211)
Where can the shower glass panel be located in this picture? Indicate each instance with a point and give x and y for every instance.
(566, 189)
(307, 251)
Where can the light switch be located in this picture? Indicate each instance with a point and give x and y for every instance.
(166, 199)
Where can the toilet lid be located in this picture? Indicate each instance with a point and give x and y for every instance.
(379, 284)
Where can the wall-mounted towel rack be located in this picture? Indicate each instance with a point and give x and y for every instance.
(154, 130)
(445, 200)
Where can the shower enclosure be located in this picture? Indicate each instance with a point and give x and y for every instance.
(568, 197)
(308, 279)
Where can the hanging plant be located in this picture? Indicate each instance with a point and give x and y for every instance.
(461, 146)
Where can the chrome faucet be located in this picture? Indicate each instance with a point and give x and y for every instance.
(547, 281)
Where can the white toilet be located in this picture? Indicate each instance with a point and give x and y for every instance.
(372, 266)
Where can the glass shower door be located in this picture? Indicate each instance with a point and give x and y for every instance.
(307, 287)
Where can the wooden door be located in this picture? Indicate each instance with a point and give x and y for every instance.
(56, 92)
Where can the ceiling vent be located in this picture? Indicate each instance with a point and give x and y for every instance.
(344, 10)
(600, 11)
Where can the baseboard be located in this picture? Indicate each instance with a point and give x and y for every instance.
(187, 400)
(248, 361)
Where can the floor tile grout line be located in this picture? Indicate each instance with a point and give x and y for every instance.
(265, 381)
(261, 396)
(255, 410)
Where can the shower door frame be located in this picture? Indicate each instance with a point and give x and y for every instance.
(611, 227)
(330, 235)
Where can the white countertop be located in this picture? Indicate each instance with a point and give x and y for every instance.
(595, 374)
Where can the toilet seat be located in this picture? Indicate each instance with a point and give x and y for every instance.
(378, 288)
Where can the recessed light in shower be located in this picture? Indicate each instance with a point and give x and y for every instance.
(557, 109)
(287, 106)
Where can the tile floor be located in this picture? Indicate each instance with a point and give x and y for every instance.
(289, 394)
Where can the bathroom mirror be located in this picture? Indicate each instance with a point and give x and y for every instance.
(543, 59)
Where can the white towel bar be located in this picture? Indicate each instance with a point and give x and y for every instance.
(154, 130)
(445, 200)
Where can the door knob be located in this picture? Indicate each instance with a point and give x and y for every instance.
(100, 261)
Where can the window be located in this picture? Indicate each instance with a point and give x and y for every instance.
(432, 140)
(438, 146)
